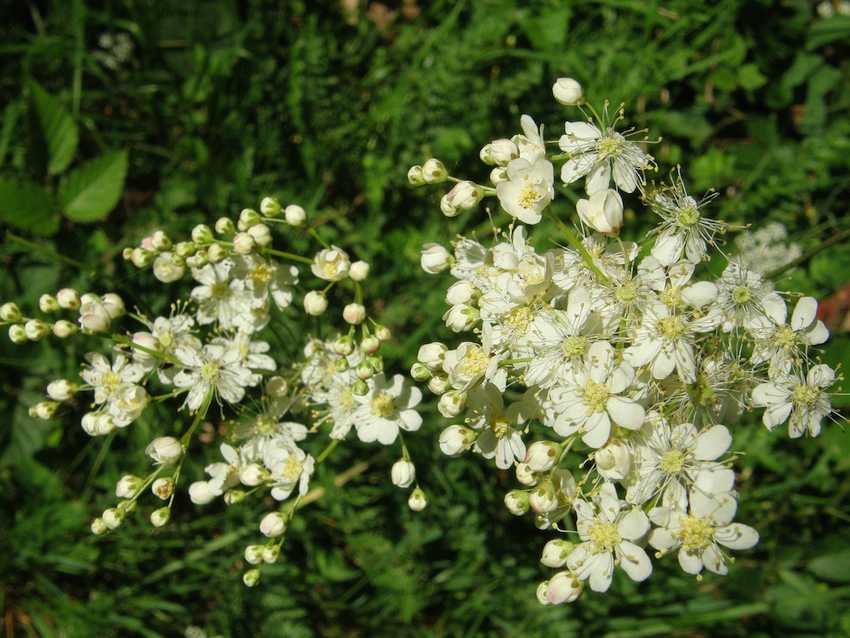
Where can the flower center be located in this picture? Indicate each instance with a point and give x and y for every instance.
(209, 371)
(518, 319)
(262, 274)
(574, 346)
(696, 533)
(627, 293)
(741, 295)
(110, 381)
(785, 338)
(473, 364)
(220, 290)
(671, 297)
(805, 395)
(672, 462)
(501, 427)
(610, 146)
(346, 399)
(382, 404)
(165, 340)
(670, 328)
(264, 424)
(595, 396)
(688, 216)
(604, 536)
(529, 196)
(291, 469)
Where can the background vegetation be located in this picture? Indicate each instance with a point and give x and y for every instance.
(123, 116)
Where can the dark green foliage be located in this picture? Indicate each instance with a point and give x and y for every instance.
(221, 102)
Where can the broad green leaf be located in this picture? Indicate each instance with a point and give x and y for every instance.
(835, 567)
(58, 127)
(92, 190)
(26, 205)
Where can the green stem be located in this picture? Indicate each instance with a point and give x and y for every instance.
(285, 255)
(575, 242)
(316, 236)
(835, 239)
(42, 249)
(327, 451)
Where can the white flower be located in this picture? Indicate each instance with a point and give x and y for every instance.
(699, 534)
(359, 270)
(215, 369)
(567, 91)
(265, 279)
(599, 155)
(315, 303)
(387, 407)
(499, 152)
(331, 264)
(782, 344)
(683, 231)
(603, 212)
(289, 466)
(530, 143)
(803, 402)
(672, 460)
(273, 525)
(745, 299)
(221, 298)
(116, 386)
(499, 438)
(614, 461)
(608, 533)
(463, 196)
(591, 398)
(294, 215)
(528, 190)
(470, 363)
(94, 315)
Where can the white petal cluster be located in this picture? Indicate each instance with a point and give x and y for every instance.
(608, 374)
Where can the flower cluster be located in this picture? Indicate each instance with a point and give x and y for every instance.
(608, 373)
(214, 348)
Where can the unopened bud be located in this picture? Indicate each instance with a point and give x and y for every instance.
(417, 501)
(202, 234)
(270, 207)
(48, 303)
(161, 516)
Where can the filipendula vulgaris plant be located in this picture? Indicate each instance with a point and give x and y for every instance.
(607, 373)
(208, 358)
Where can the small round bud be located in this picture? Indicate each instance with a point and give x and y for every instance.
(403, 473)
(141, 258)
(383, 333)
(273, 525)
(10, 312)
(254, 554)
(525, 475)
(461, 317)
(603, 211)
(541, 456)
(360, 388)
(128, 486)
(463, 196)
(61, 390)
(438, 384)
(499, 175)
(415, 176)
(36, 329)
(460, 292)
(434, 258)
(114, 305)
(160, 241)
(98, 527)
(234, 497)
(294, 215)
(43, 410)
(252, 474)
(243, 243)
(452, 403)
(225, 226)
(168, 267)
(185, 248)
(567, 91)
(499, 152)
(432, 354)
(359, 270)
(271, 554)
(161, 516)
(555, 553)
(202, 234)
(542, 590)
(64, 329)
(354, 313)
(261, 234)
(164, 450)
(251, 578)
(48, 303)
(202, 492)
(216, 252)
(456, 439)
(270, 207)
(364, 371)
(68, 298)
(112, 517)
(17, 334)
(277, 387)
(417, 501)
(543, 498)
(563, 587)
(370, 344)
(315, 303)
(163, 488)
(517, 502)
(433, 171)
(420, 372)
(97, 424)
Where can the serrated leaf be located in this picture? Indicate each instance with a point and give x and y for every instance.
(92, 190)
(26, 205)
(57, 127)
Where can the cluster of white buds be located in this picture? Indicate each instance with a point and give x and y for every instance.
(608, 373)
(213, 348)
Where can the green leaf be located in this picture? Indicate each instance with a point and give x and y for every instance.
(58, 127)
(26, 205)
(92, 190)
(750, 77)
(835, 567)
(828, 30)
